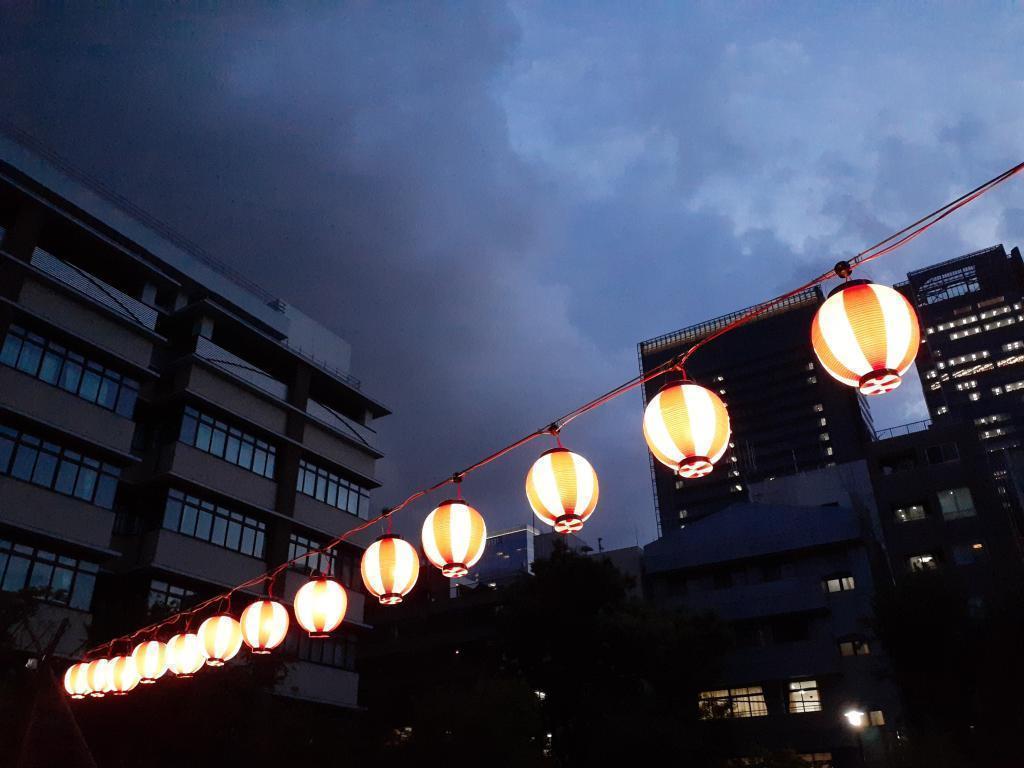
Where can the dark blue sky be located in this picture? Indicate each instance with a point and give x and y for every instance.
(494, 203)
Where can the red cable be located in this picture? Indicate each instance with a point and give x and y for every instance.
(891, 243)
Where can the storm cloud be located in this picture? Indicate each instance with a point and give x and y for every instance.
(495, 203)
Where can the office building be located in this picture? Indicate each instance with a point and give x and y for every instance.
(167, 429)
(796, 585)
(787, 414)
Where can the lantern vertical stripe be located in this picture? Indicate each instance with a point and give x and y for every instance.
(406, 567)
(454, 537)
(867, 320)
(375, 574)
(585, 486)
(390, 567)
(656, 430)
(563, 469)
(840, 354)
(902, 336)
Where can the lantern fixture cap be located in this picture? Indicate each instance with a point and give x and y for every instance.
(843, 269)
(557, 449)
(848, 284)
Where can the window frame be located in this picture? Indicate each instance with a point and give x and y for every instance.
(206, 521)
(218, 438)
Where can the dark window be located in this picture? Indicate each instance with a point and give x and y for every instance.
(854, 646)
(226, 442)
(28, 458)
(58, 366)
(723, 580)
(337, 651)
(333, 490)
(51, 577)
(956, 502)
(939, 454)
(771, 572)
(168, 597)
(210, 522)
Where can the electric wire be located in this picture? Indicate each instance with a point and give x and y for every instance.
(676, 364)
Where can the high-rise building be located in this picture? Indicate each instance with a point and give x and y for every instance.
(167, 429)
(787, 414)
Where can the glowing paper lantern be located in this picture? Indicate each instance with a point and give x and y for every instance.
(454, 536)
(185, 655)
(390, 567)
(264, 625)
(76, 680)
(99, 678)
(866, 335)
(562, 489)
(220, 638)
(687, 428)
(124, 674)
(150, 660)
(320, 606)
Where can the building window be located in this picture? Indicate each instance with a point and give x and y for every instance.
(818, 407)
(168, 597)
(876, 717)
(924, 562)
(210, 522)
(74, 373)
(803, 696)
(908, 513)
(956, 502)
(817, 759)
(333, 490)
(29, 458)
(854, 646)
(229, 443)
(839, 583)
(939, 454)
(51, 577)
(732, 702)
(968, 554)
(338, 651)
(340, 565)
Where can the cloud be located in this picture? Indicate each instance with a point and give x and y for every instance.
(494, 204)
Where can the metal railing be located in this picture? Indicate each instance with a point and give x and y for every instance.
(903, 429)
(237, 366)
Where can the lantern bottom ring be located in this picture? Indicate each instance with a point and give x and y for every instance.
(215, 662)
(148, 681)
(694, 466)
(879, 382)
(569, 523)
(120, 693)
(319, 635)
(454, 570)
(96, 695)
(260, 651)
(390, 598)
(77, 695)
(187, 676)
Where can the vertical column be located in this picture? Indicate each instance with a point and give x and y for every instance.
(288, 456)
(19, 241)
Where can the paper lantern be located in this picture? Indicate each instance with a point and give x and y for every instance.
(687, 428)
(390, 567)
(124, 674)
(264, 625)
(866, 335)
(99, 678)
(76, 680)
(454, 536)
(220, 638)
(320, 606)
(185, 655)
(150, 660)
(562, 489)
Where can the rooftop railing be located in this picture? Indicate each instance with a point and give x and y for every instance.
(903, 429)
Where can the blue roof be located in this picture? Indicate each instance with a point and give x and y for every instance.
(746, 530)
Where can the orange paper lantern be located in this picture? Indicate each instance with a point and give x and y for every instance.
(687, 428)
(562, 489)
(264, 625)
(454, 536)
(390, 567)
(320, 606)
(220, 638)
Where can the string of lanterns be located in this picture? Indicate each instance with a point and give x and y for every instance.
(864, 335)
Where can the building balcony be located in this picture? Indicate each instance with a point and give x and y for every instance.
(52, 405)
(174, 553)
(809, 658)
(51, 514)
(328, 519)
(323, 442)
(756, 600)
(218, 475)
(79, 316)
(321, 684)
(222, 391)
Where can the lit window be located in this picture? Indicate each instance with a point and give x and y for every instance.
(854, 647)
(823, 437)
(818, 408)
(942, 410)
(812, 379)
(968, 554)
(839, 583)
(956, 503)
(923, 563)
(911, 512)
(823, 421)
(817, 759)
(732, 702)
(974, 397)
(737, 487)
(810, 366)
(875, 717)
(803, 696)
(683, 514)
(828, 450)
